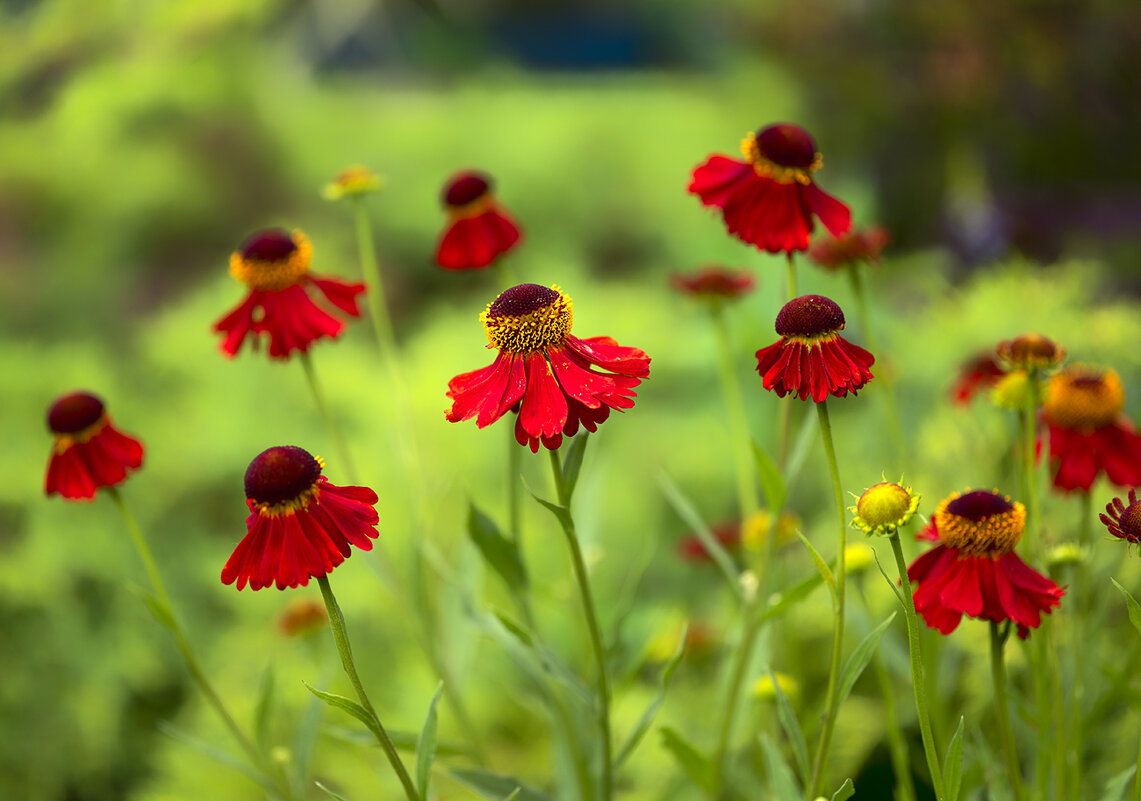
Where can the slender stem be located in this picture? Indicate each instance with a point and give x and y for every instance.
(322, 407)
(1081, 577)
(184, 648)
(1029, 422)
(830, 704)
(341, 637)
(784, 405)
(738, 423)
(791, 273)
(1002, 712)
(514, 467)
(918, 682)
(750, 627)
(592, 624)
(897, 745)
(377, 304)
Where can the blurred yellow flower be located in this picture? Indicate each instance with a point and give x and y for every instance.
(763, 687)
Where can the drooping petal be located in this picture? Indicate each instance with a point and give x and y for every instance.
(717, 179)
(237, 324)
(341, 294)
(544, 407)
(836, 216)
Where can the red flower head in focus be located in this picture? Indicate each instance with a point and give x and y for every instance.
(479, 230)
(543, 372)
(855, 247)
(274, 264)
(1088, 432)
(1124, 522)
(88, 452)
(300, 525)
(978, 373)
(974, 571)
(714, 283)
(769, 199)
(811, 358)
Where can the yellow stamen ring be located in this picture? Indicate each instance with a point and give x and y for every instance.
(64, 441)
(778, 172)
(993, 535)
(274, 276)
(535, 330)
(293, 505)
(1084, 398)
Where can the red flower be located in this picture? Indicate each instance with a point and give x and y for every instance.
(769, 199)
(88, 452)
(836, 253)
(479, 230)
(543, 372)
(714, 283)
(974, 570)
(976, 374)
(274, 264)
(1029, 352)
(811, 358)
(1124, 521)
(1088, 432)
(300, 525)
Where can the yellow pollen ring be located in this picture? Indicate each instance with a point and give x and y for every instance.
(477, 207)
(812, 341)
(293, 506)
(1084, 398)
(778, 172)
(995, 535)
(274, 276)
(65, 441)
(537, 330)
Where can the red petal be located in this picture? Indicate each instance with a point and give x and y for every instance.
(237, 324)
(836, 216)
(341, 294)
(717, 179)
(544, 408)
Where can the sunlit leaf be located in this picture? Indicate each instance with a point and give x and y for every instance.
(499, 552)
(699, 769)
(426, 745)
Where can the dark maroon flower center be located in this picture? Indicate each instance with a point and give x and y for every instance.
(281, 474)
(74, 413)
(979, 504)
(272, 244)
(809, 316)
(465, 188)
(1131, 522)
(787, 145)
(522, 299)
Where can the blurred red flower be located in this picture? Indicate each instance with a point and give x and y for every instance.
(479, 229)
(857, 246)
(88, 452)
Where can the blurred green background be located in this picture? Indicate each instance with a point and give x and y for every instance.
(141, 142)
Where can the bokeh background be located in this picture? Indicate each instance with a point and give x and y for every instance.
(141, 142)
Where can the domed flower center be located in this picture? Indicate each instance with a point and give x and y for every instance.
(272, 260)
(466, 188)
(980, 523)
(1130, 522)
(75, 414)
(528, 318)
(885, 507)
(283, 479)
(784, 152)
(1030, 350)
(809, 317)
(1083, 398)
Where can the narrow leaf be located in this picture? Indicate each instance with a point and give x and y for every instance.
(772, 483)
(346, 705)
(217, 754)
(846, 791)
(337, 796)
(559, 511)
(804, 439)
(264, 708)
(426, 745)
(1115, 787)
(573, 463)
(647, 718)
(890, 581)
(160, 611)
(793, 595)
(782, 784)
(1134, 607)
(860, 658)
(696, 767)
(791, 726)
(403, 740)
(501, 553)
(953, 765)
(494, 786)
(687, 513)
(821, 567)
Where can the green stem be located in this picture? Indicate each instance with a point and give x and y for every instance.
(1029, 423)
(514, 468)
(1136, 796)
(896, 743)
(377, 304)
(750, 627)
(738, 423)
(323, 408)
(791, 273)
(197, 673)
(1002, 712)
(341, 637)
(830, 704)
(918, 682)
(592, 624)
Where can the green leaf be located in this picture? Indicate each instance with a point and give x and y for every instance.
(160, 611)
(700, 771)
(890, 581)
(1134, 607)
(953, 765)
(821, 567)
(860, 658)
(804, 439)
(559, 511)
(846, 791)
(346, 705)
(263, 709)
(1116, 785)
(689, 515)
(647, 718)
(573, 463)
(782, 784)
(794, 594)
(403, 740)
(772, 483)
(501, 553)
(791, 726)
(337, 796)
(218, 755)
(426, 745)
(494, 786)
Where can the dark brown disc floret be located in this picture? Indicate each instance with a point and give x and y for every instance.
(466, 188)
(979, 504)
(272, 244)
(75, 412)
(787, 145)
(520, 300)
(809, 316)
(281, 474)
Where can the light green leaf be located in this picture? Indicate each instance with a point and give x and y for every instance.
(218, 755)
(782, 784)
(494, 786)
(859, 659)
(793, 595)
(821, 567)
(1115, 787)
(514, 794)
(647, 718)
(1134, 607)
(426, 745)
(264, 708)
(890, 581)
(337, 796)
(953, 765)
(689, 515)
(573, 462)
(696, 767)
(558, 510)
(346, 705)
(846, 791)
(791, 726)
(501, 553)
(772, 483)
